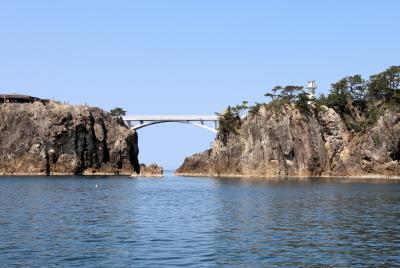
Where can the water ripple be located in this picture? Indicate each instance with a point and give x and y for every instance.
(197, 222)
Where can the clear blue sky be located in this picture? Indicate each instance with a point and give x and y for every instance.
(187, 57)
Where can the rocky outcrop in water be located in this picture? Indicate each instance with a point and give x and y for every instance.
(58, 139)
(152, 171)
(286, 142)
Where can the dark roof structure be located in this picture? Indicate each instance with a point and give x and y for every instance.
(20, 98)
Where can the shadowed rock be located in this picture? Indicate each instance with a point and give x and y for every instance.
(58, 139)
(285, 142)
(152, 170)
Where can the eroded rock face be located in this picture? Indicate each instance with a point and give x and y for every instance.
(285, 142)
(56, 139)
(152, 170)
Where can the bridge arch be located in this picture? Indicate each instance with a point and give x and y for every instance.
(214, 130)
(149, 120)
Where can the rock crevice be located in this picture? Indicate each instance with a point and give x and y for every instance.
(58, 139)
(285, 142)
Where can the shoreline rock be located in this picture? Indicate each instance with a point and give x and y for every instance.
(376, 177)
(152, 170)
(55, 139)
(284, 142)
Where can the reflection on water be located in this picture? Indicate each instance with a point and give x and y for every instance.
(197, 222)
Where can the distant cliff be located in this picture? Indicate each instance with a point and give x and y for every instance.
(283, 141)
(56, 139)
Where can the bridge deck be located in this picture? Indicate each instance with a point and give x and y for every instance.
(157, 118)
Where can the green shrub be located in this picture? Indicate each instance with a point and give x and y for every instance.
(354, 126)
(376, 138)
(229, 123)
(253, 110)
(302, 103)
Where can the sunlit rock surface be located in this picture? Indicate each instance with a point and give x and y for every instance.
(59, 139)
(152, 170)
(285, 142)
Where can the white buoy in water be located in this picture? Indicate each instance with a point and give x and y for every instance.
(97, 186)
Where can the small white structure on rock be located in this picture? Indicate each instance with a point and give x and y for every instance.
(311, 87)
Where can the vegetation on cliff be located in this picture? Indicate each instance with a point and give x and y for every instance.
(118, 112)
(230, 120)
(353, 131)
(358, 101)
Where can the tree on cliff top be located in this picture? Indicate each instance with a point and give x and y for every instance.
(230, 121)
(386, 85)
(286, 94)
(358, 101)
(289, 94)
(117, 112)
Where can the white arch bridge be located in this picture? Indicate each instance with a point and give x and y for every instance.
(136, 122)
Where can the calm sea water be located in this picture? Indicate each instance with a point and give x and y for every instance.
(197, 222)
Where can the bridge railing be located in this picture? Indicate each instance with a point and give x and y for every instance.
(148, 120)
(171, 118)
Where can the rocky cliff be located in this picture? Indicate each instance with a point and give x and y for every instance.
(58, 139)
(286, 142)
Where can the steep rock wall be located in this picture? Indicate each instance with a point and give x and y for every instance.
(285, 142)
(58, 139)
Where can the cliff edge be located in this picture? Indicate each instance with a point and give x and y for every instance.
(57, 139)
(284, 141)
